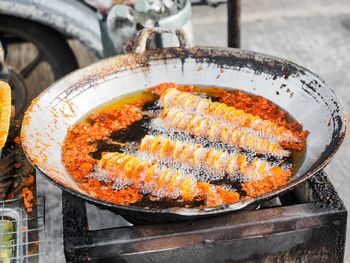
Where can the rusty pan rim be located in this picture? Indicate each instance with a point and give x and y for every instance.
(168, 53)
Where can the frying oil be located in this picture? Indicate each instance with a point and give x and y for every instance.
(133, 135)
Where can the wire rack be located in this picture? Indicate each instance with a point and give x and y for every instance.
(22, 230)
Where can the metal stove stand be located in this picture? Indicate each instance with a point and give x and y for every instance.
(307, 224)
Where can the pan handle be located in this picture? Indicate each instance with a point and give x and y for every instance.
(143, 35)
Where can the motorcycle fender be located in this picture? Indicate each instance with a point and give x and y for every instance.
(71, 18)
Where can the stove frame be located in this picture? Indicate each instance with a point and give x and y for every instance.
(307, 224)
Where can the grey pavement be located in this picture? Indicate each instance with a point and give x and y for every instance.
(313, 33)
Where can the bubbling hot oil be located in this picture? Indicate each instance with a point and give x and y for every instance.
(149, 125)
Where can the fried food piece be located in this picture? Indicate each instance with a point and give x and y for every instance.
(173, 98)
(5, 112)
(197, 156)
(200, 126)
(127, 170)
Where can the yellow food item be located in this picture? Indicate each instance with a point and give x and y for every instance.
(128, 170)
(173, 98)
(5, 111)
(212, 159)
(215, 131)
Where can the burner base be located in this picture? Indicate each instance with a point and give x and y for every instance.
(309, 226)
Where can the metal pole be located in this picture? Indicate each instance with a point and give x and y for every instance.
(108, 48)
(234, 23)
(75, 228)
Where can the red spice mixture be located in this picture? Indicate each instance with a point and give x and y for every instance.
(267, 110)
(81, 140)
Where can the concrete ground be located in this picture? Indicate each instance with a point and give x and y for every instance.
(314, 33)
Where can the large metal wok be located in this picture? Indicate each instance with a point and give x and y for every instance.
(297, 90)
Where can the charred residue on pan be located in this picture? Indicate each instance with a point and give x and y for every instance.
(168, 53)
(337, 138)
(309, 92)
(311, 88)
(287, 90)
(244, 59)
(224, 58)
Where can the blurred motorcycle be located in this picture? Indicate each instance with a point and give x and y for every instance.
(36, 35)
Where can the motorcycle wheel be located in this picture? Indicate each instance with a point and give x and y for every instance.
(36, 54)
